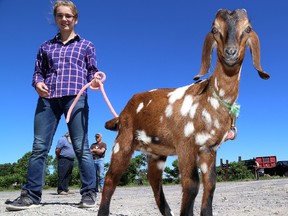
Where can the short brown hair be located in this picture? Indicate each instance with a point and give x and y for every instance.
(65, 3)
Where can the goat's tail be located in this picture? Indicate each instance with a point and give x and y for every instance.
(112, 124)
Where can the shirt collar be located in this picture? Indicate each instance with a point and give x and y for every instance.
(56, 39)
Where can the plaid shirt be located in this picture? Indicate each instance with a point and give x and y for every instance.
(65, 68)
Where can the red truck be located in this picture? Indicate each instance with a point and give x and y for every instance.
(267, 161)
(267, 164)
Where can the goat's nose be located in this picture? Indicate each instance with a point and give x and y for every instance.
(231, 51)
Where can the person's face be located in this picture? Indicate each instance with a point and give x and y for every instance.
(65, 19)
(98, 138)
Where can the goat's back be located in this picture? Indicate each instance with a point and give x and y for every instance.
(187, 114)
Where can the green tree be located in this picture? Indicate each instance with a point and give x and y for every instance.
(16, 173)
(236, 171)
(172, 175)
(136, 170)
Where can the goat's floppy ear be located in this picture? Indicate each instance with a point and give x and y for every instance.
(254, 46)
(208, 46)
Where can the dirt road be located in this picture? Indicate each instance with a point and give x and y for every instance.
(253, 198)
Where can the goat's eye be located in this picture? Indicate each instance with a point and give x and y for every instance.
(248, 29)
(214, 30)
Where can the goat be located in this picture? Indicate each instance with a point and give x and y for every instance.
(190, 121)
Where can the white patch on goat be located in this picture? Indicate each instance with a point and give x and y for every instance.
(169, 110)
(228, 100)
(207, 117)
(149, 103)
(116, 148)
(142, 137)
(193, 110)
(189, 129)
(221, 93)
(212, 132)
(224, 137)
(215, 148)
(177, 94)
(161, 119)
(204, 168)
(202, 138)
(153, 90)
(216, 123)
(216, 84)
(204, 149)
(214, 102)
(140, 107)
(161, 165)
(186, 105)
(239, 74)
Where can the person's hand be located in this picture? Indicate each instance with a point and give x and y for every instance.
(95, 82)
(42, 89)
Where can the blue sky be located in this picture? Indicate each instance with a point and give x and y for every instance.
(143, 45)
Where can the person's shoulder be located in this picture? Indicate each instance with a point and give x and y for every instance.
(61, 142)
(85, 41)
(49, 42)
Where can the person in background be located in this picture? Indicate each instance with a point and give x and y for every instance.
(98, 151)
(65, 155)
(63, 66)
(256, 167)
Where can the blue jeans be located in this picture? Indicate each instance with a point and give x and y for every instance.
(47, 116)
(99, 167)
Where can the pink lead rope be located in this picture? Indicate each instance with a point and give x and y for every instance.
(98, 82)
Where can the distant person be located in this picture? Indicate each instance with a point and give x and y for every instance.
(257, 168)
(63, 66)
(98, 150)
(65, 155)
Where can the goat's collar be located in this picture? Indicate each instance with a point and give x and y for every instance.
(234, 108)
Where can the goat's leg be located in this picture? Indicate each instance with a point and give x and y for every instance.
(189, 180)
(155, 170)
(121, 155)
(208, 169)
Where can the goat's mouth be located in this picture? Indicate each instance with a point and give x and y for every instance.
(231, 61)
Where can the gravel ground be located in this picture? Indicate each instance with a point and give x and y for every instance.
(252, 198)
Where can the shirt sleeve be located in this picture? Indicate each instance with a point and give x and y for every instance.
(40, 67)
(60, 143)
(91, 62)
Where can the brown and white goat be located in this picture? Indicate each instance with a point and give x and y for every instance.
(190, 121)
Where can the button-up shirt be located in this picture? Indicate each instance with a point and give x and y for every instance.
(65, 68)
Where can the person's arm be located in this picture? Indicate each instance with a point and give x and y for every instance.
(91, 64)
(38, 76)
(59, 146)
(57, 152)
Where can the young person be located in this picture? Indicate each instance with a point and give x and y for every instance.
(63, 66)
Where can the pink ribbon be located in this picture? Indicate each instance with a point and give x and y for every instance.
(95, 84)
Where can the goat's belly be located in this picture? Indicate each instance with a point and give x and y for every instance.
(156, 149)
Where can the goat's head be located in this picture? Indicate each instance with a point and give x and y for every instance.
(231, 32)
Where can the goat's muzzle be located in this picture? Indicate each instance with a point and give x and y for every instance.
(231, 56)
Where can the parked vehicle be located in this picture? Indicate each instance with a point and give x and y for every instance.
(267, 164)
(282, 168)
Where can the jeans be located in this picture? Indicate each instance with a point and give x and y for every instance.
(99, 167)
(65, 168)
(47, 116)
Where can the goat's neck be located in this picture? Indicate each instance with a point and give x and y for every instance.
(225, 82)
